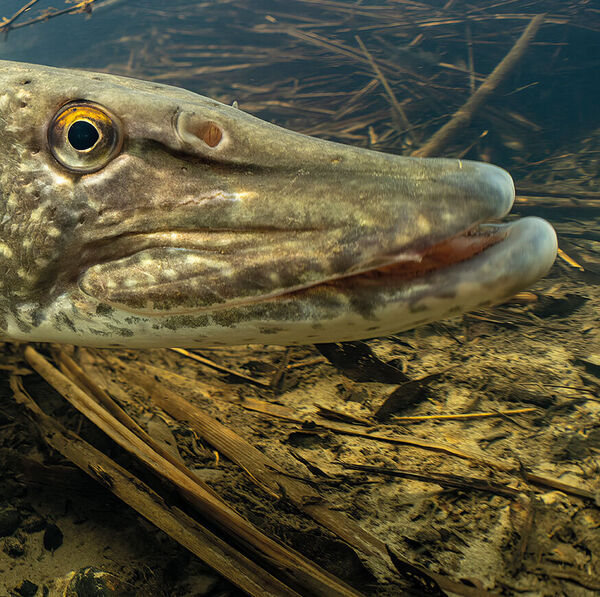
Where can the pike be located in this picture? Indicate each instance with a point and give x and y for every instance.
(142, 215)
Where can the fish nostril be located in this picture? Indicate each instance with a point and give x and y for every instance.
(210, 133)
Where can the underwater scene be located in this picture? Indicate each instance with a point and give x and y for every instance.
(299, 298)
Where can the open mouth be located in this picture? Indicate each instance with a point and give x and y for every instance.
(448, 252)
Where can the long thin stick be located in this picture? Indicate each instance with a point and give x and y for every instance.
(465, 113)
(458, 417)
(393, 101)
(213, 365)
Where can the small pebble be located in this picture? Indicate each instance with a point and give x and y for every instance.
(26, 589)
(93, 582)
(34, 523)
(14, 547)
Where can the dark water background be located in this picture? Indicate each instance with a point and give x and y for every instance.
(243, 50)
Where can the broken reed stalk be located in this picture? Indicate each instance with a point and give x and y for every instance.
(288, 562)
(462, 416)
(534, 479)
(465, 113)
(72, 370)
(212, 550)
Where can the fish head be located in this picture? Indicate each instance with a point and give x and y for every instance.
(138, 214)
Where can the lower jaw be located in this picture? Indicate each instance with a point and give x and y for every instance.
(437, 260)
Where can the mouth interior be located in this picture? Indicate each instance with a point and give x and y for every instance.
(448, 252)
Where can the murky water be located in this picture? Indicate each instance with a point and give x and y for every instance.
(300, 64)
(339, 69)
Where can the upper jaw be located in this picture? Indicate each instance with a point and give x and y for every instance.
(383, 204)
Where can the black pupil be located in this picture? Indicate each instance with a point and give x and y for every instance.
(82, 135)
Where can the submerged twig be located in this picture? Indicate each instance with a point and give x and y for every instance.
(444, 480)
(465, 113)
(209, 363)
(6, 24)
(83, 6)
(462, 416)
(398, 109)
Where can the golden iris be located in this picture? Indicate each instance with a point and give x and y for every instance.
(84, 136)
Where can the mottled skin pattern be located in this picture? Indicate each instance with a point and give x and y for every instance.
(251, 236)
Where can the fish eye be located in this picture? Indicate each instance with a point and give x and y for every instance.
(84, 136)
